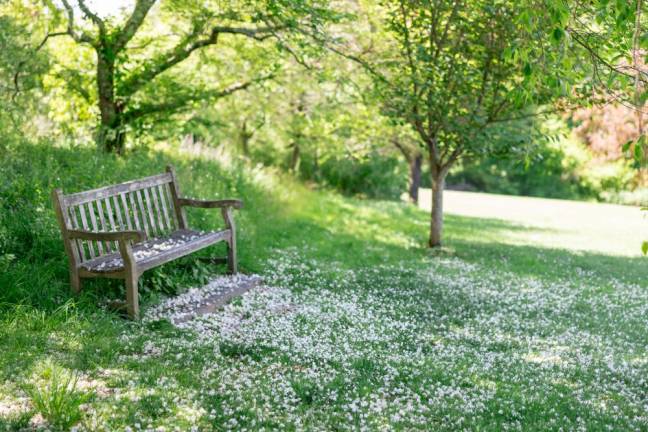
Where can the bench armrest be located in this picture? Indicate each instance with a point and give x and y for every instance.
(189, 202)
(136, 236)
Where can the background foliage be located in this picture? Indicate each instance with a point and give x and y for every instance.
(317, 118)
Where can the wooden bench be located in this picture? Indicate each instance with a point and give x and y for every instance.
(122, 230)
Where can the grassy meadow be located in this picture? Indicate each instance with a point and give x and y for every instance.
(524, 321)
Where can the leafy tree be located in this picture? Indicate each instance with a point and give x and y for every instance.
(20, 70)
(609, 38)
(612, 36)
(133, 57)
(460, 72)
(405, 141)
(314, 122)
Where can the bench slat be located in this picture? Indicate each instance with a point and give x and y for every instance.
(127, 216)
(118, 215)
(111, 220)
(174, 192)
(142, 212)
(84, 222)
(149, 208)
(95, 227)
(156, 207)
(130, 186)
(133, 211)
(171, 203)
(79, 253)
(101, 220)
(165, 212)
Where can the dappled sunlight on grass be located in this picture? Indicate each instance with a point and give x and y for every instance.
(576, 226)
(357, 325)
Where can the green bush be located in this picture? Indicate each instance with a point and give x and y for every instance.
(373, 176)
(543, 177)
(557, 169)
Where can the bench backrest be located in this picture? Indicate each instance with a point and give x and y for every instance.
(149, 204)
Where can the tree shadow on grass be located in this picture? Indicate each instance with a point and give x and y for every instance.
(331, 229)
(488, 241)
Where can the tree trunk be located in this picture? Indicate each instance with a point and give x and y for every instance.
(415, 177)
(316, 164)
(295, 157)
(111, 136)
(436, 221)
(245, 137)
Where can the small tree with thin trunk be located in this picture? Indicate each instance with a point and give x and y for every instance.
(460, 73)
(129, 69)
(412, 154)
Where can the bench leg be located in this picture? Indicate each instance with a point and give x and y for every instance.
(231, 256)
(75, 282)
(132, 298)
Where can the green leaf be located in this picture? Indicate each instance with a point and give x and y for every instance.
(557, 34)
(639, 149)
(626, 147)
(527, 69)
(644, 247)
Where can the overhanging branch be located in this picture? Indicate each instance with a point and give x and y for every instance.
(19, 66)
(184, 49)
(134, 22)
(93, 17)
(78, 37)
(175, 105)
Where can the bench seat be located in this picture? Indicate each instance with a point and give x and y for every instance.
(155, 252)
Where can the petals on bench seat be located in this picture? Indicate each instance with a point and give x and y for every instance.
(157, 251)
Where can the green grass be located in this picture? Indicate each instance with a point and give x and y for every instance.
(56, 397)
(358, 325)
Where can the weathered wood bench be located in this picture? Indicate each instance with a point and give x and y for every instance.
(122, 230)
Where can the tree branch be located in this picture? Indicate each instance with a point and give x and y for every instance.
(579, 40)
(93, 17)
(79, 38)
(184, 49)
(181, 102)
(636, 54)
(258, 33)
(19, 66)
(365, 64)
(451, 160)
(134, 22)
(441, 42)
(405, 152)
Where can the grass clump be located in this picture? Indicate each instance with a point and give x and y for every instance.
(55, 395)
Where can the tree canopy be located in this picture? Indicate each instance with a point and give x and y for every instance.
(324, 89)
(134, 56)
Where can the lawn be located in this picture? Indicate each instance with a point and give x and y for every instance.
(524, 321)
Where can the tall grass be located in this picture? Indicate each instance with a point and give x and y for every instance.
(32, 259)
(56, 396)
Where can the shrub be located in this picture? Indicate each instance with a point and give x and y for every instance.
(373, 176)
(562, 168)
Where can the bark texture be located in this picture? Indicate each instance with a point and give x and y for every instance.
(436, 220)
(111, 136)
(415, 165)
